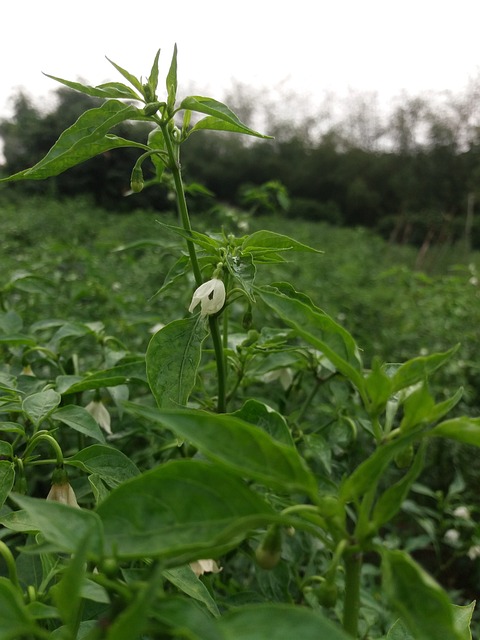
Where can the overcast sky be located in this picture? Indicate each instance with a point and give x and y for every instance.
(307, 46)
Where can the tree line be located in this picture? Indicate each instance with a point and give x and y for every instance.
(413, 174)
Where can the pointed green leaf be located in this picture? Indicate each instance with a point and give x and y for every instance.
(462, 617)
(79, 419)
(7, 478)
(67, 593)
(173, 358)
(464, 429)
(186, 581)
(86, 138)
(419, 369)
(135, 82)
(63, 526)
(221, 118)
(420, 601)
(178, 510)
(260, 414)
(317, 328)
(106, 90)
(39, 406)
(260, 240)
(243, 448)
(172, 80)
(391, 500)
(153, 77)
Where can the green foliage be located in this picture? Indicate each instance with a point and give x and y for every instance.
(251, 429)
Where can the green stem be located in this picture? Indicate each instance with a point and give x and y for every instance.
(351, 603)
(221, 365)
(10, 562)
(181, 200)
(41, 435)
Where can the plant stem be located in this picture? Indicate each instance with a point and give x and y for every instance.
(351, 604)
(220, 360)
(181, 200)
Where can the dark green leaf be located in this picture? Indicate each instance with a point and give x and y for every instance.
(186, 581)
(40, 405)
(266, 418)
(7, 478)
(15, 620)
(173, 357)
(110, 464)
(241, 447)
(180, 510)
(79, 419)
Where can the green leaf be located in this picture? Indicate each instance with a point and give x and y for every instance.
(173, 357)
(123, 373)
(15, 620)
(156, 140)
(185, 617)
(172, 80)
(260, 240)
(106, 90)
(153, 77)
(186, 581)
(135, 82)
(7, 478)
(419, 369)
(63, 526)
(398, 631)
(111, 465)
(79, 419)
(419, 600)
(86, 138)
(272, 422)
(391, 500)
(67, 593)
(317, 328)
(221, 117)
(279, 622)
(39, 406)
(243, 448)
(370, 470)
(180, 510)
(464, 429)
(462, 617)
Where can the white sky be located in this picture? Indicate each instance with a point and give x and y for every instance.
(308, 46)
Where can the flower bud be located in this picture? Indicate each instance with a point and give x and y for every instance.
(136, 180)
(99, 412)
(199, 567)
(327, 594)
(269, 551)
(404, 458)
(151, 108)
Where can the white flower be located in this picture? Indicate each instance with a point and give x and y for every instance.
(462, 512)
(210, 295)
(452, 536)
(64, 494)
(474, 552)
(199, 567)
(99, 412)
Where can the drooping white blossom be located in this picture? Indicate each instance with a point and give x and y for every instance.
(211, 297)
(99, 412)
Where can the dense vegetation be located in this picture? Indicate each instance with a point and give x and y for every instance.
(186, 394)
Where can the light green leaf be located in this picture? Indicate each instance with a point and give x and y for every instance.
(79, 419)
(133, 369)
(39, 406)
(462, 617)
(260, 240)
(153, 77)
(464, 429)
(173, 357)
(172, 80)
(67, 593)
(106, 90)
(419, 369)
(221, 117)
(419, 600)
(260, 414)
(110, 464)
(86, 138)
(186, 580)
(180, 510)
(135, 82)
(63, 526)
(243, 448)
(317, 328)
(7, 478)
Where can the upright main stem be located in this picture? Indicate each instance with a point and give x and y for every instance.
(351, 604)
